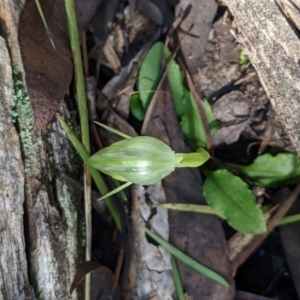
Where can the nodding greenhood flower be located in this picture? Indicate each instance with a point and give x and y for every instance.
(143, 160)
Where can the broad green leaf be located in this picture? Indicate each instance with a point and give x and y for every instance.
(188, 260)
(272, 171)
(230, 198)
(185, 104)
(149, 73)
(175, 77)
(136, 107)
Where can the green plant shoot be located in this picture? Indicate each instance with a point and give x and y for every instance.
(142, 160)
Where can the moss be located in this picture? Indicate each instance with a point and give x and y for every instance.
(22, 116)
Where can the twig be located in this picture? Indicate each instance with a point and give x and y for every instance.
(268, 133)
(118, 269)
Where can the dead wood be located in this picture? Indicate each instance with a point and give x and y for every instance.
(41, 207)
(272, 44)
(14, 283)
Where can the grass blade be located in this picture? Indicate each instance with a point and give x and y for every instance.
(115, 131)
(84, 123)
(289, 220)
(39, 7)
(176, 279)
(188, 260)
(116, 190)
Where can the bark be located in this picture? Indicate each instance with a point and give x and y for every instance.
(273, 46)
(14, 283)
(40, 199)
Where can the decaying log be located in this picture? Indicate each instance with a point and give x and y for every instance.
(273, 47)
(14, 283)
(40, 199)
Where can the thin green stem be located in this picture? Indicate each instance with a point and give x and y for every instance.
(84, 123)
(187, 260)
(289, 220)
(195, 208)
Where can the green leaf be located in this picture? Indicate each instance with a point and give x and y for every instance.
(272, 171)
(187, 260)
(185, 104)
(243, 58)
(149, 73)
(289, 220)
(175, 77)
(177, 279)
(137, 108)
(186, 108)
(212, 121)
(191, 124)
(191, 160)
(230, 198)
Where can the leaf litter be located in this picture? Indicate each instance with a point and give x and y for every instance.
(240, 105)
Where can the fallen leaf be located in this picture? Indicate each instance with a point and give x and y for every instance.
(82, 270)
(249, 296)
(197, 24)
(48, 71)
(102, 280)
(233, 111)
(156, 10)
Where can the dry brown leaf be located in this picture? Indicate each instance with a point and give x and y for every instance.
(82, 270)
(198, 24)
(249, 296)
(48, 71)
